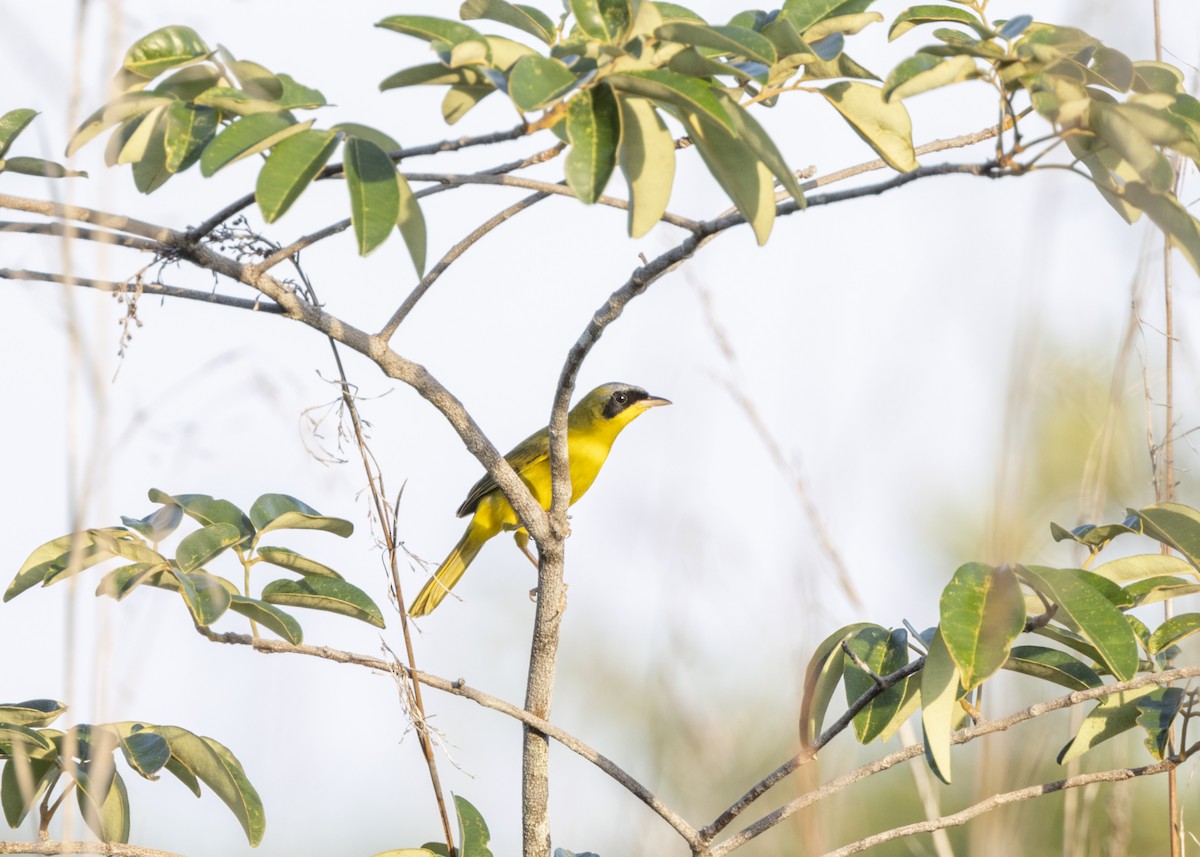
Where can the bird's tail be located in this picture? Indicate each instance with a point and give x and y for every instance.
(449, 573)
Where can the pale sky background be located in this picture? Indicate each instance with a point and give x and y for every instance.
(875, 338)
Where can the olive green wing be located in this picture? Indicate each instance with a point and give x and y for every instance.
(528, 452)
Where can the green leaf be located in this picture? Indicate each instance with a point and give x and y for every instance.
(117, 110)
(430, 29)
(1115, 128)
(411, 223)
(150, 170)
(756, 138)
(1173, 630)
(270, 617)
(204, 544)
(1071, 640)
(205, 596)
(982, 612)
(293, 561)
(647, 159)
(1175, 525)
(884, 126)
(939, 695)
(39, 167)
(1116, 714)
(744, 177)
(205, 510)
(805, 13)
(13, 123)
(923, 72)
(290, 168)
(121, 581)
(1173, 218)
(594, 128)
(536, 81)
(32, 712)
(256, 80)
(472, 829)
(883, 652)
(1158, 712)
(374, 195)
(910, 703)
(22, 782)
(282, 512)
(323, 593)
(910, 18)
(166, 48)
(1113, 68)
(459, 100)
(1141, 566)
(675, 12)
(212, 763)
(821, 679)
(237, 102)
(366, 132)
(184, 775)
(668, 87)
(1053, 665)
(1150, 76)
(1155, 589)
(432, 74)
(158, 524)
(1098, 620)
(526, 18)
(297, 96)
(146, 752)
(20, 739)
(248, 136)
(104, 804)
(188, 130)
(736, 41)
(603, 20)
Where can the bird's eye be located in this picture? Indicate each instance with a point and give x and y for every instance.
(621, 398)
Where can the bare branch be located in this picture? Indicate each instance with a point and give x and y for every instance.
(79, 214)
(461, 689)
(106, 849)
(336, 169)
(1114, 775)
(558, 188)
(113, 287)
(98, 235)
(389, 329)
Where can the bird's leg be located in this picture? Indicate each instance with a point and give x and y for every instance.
(521, 537)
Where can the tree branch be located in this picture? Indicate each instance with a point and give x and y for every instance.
(1114, 775)
(83, 233)
(113, 287)
(389, 329)
(461, 689)
(107, 849)
(558, 188)
(237, 205)
(79, 214)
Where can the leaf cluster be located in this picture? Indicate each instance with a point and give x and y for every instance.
(83, 758)
(180, 103)
(982, 613)
(223, 527)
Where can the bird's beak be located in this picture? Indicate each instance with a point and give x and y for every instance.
(654, 402)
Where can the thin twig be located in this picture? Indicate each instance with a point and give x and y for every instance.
(100, 236)
(1114, 775)
(113, 287)
(79, 214)
(389, 329)
(461, 689)
(237, 205)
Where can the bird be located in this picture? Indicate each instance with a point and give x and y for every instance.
(592, 426)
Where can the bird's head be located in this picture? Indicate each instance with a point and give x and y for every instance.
(614, 405)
